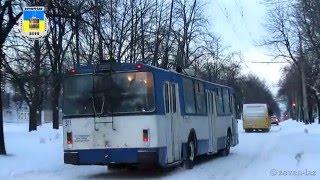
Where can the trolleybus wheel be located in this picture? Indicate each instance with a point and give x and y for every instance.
(189, 162)
(226, 150)
(114, 167)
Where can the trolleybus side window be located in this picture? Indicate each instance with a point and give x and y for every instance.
(219, 101)
(166, 97)
(231, 95)
(212, 106)
(189, 99)
(174, 100)
(226, 101)
(200, 98)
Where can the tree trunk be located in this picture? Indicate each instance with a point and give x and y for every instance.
(37, 99)
(34, 107)
(77, 41)
(55, 106)
(165, 62)
(2, 145)
(98, 30)
(32, 118)
(142, 36)
(131, 34)
(318, 105)
(310, 111)
(306, 117)
(34, 113)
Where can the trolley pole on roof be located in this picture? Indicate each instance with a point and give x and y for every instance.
(269, 62)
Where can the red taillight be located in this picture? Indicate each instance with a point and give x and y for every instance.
(145, 135)
(139, 66)
(69, 138)
(72, 71)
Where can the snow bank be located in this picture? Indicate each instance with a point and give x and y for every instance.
(291, 147)
(30, 151)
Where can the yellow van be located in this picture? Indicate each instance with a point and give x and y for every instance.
(256, 117)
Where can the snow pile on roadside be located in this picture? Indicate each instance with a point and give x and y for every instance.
(30, 151)
(290, 147)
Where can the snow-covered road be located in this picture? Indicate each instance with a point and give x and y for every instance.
(289, 151)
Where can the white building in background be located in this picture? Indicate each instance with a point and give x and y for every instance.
(18, 112)
(14, 112)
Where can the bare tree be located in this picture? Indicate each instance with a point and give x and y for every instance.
(7, 20)
(23, 65)
(307, 13)
(166, 55)
(287, 41)
(57, 44)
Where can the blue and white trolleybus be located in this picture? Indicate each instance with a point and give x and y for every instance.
(131, 114)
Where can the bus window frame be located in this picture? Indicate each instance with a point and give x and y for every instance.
(222, 88)
(228, 105)
(155, 109)
(195, 82)
(63, 97)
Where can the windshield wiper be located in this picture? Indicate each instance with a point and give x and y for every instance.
(102, 106)
(93, 105)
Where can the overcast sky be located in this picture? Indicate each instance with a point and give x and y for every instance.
(240, 23)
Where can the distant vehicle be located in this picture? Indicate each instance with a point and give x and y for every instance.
(275, 120)
(133, 114)
(256, 117)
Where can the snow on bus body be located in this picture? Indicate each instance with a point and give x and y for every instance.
(158, 134)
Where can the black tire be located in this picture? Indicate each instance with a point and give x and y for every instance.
(266, 130)
(191, 154)
(226, 150)
(115, 167)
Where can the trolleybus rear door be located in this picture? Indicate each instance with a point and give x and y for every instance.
(172, 110)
